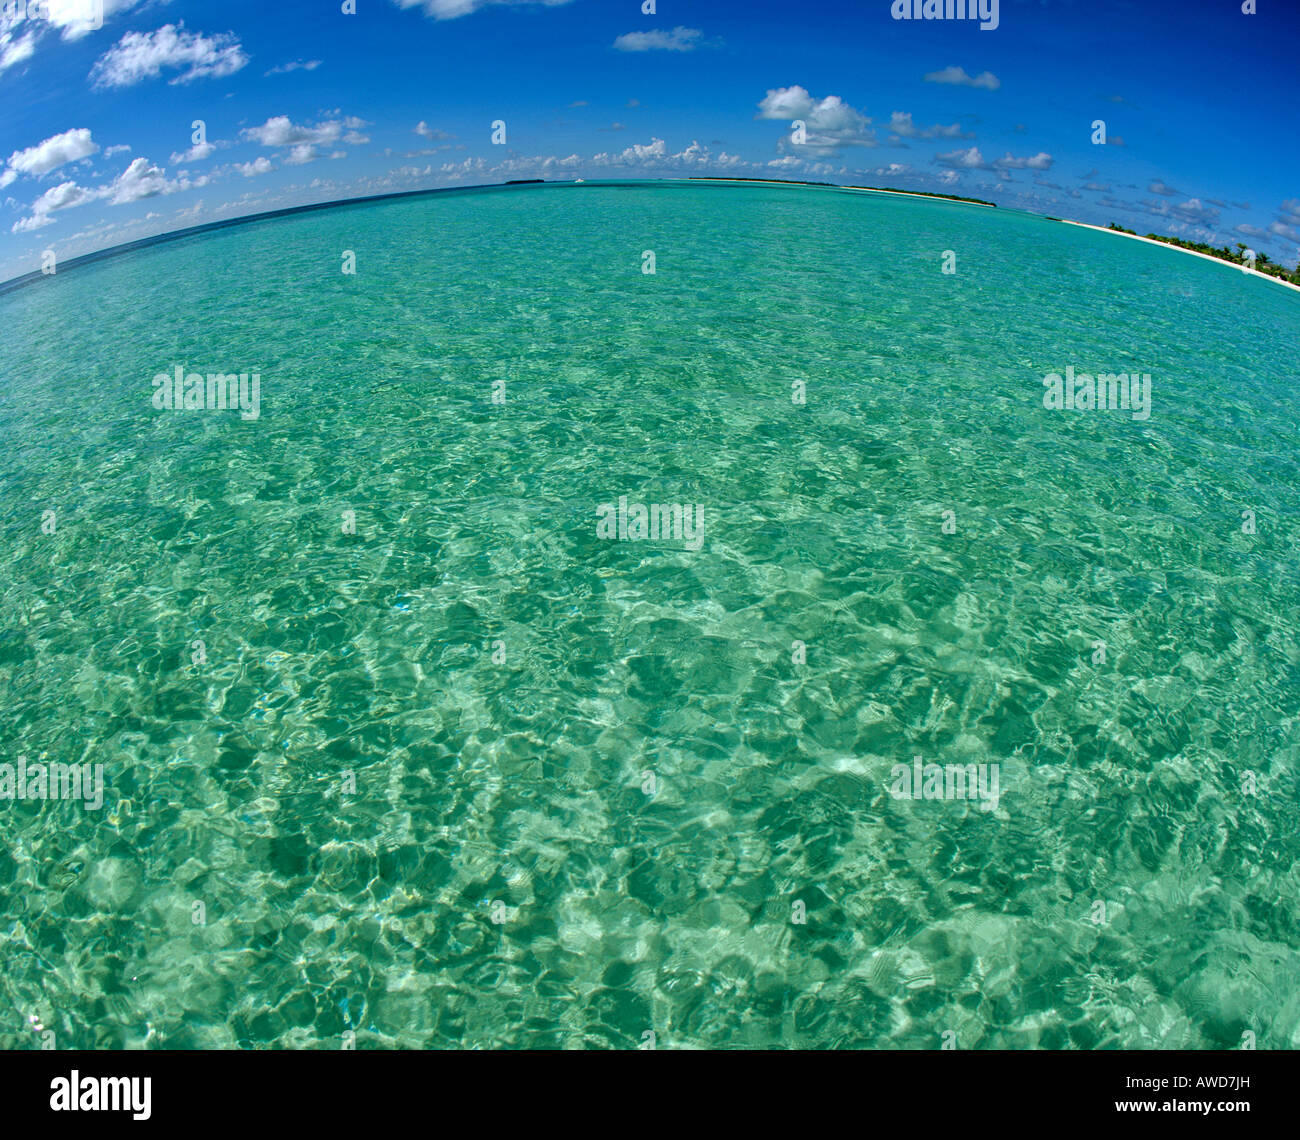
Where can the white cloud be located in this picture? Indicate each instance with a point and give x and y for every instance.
(14, 51)
(637, 152)
(53, 153)
(900, 123)
(1194, 210)
(653, 155)
(972, 159)
(303, 143)
(679, 39)
(76, 18)
(35, 222)
(62, 197)
(454, 9)
(197, 153)
(281, 131)
(139, 180)
(121, 148)
(958, 77)
(144, 55)
(963, 159)
(425, 131)
(1040, 161)
(22, 32)
(1158, 187)
(259, 165)
(830, 123)
(354, 137)
(296, 65)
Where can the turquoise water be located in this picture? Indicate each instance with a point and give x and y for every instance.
(462, 704)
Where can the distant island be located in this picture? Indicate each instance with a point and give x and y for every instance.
(927, 194)
(1262, 262)
(837, 186)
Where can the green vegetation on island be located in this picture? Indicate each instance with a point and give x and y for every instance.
(926, 194)
(1223, 253)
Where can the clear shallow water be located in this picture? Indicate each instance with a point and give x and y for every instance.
(521, 783)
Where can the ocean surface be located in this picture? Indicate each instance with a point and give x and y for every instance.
(402, 747)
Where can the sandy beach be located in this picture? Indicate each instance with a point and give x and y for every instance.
(1193, 252)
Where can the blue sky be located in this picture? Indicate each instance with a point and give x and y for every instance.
(304, 103)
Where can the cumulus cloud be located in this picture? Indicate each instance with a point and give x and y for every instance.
(830, 123)
(301, 143)
(197, 153)
(76, 18)
(1192, 211)
(138, 56)
(22, 33)
(139, 180)
(653, 155)
(1040, 161)
(638, 154)
(432, 133)
(54, 152)
(958, 77)
(972, 159)
(900, 123)
(1252, 231)
(259, 165)
(142, 179)
(679, 39)
(1158, 187)
(62, 197)
(454, 9)
(280, 131)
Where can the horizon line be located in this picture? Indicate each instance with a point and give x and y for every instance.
(13, 284)
(25, 279)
